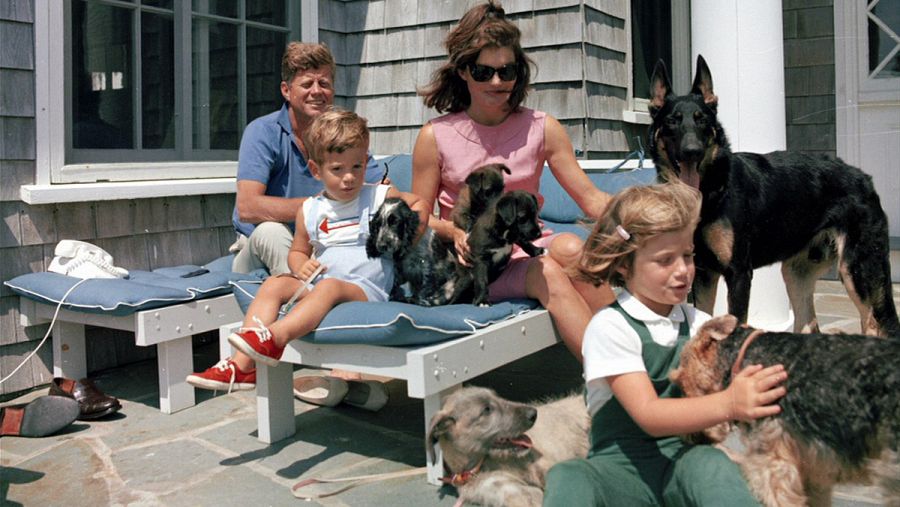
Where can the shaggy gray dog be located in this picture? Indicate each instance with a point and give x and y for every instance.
(497, 452)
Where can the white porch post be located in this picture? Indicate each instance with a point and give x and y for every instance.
(743, 44)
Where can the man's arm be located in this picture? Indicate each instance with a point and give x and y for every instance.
(255, 207)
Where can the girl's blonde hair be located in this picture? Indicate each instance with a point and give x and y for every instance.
(632, 217)
(335, 131)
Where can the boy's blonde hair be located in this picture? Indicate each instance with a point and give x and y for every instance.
(632, 217)
(335, 131)
(302, 56)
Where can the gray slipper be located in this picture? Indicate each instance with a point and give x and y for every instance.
(326, 391)
(368, 394)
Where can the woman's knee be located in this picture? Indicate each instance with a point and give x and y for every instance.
(566, 248)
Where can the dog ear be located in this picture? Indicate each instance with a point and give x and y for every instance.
(374, 229)
(660, 87)
(506, 211)
(441, 423)
(720, 328)
(703, 84)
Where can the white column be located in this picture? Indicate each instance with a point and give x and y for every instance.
(742, 42)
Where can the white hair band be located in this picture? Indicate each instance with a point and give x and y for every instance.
(622, 232)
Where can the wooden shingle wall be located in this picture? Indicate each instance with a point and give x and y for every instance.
(385, 49)
(809, 75)
(140, 234)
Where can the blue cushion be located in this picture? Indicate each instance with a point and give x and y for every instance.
(398, 324)
(559, 207)
(142, 290)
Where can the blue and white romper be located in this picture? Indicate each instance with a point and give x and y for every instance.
(338, 232)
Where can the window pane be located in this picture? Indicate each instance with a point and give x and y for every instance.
(228, 8)
(215, 83)
(267, 11)
(264, 49)
(165, 4)
(158, 81)
(102, 112)
(651, 38)
(883, 42)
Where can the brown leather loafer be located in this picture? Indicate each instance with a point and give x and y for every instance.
(93, 403)
(41, 417)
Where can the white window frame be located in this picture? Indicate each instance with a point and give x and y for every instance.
(637, 110)
(54, 178)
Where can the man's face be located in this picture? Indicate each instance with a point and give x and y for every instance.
(310, 92)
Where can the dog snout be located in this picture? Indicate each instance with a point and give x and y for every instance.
(691, 147)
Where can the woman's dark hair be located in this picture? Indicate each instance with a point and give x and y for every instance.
(483, 26)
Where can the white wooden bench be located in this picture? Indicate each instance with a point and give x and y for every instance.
(432, 372)
(170, 328)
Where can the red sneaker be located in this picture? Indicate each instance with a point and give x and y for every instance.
(257, 343)
(224, 375)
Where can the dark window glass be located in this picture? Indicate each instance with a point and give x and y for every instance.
(884, 42)
(215, 84)
(264, 50)
(227, 8)
(157, 82)
(651, 38)
(102, 79)
(271, 12)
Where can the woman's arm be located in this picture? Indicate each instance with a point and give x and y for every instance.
(561, 159)
(425, 183)
(750, 396)
(416, 204)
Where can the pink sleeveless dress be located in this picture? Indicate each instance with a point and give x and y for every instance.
(464, 145)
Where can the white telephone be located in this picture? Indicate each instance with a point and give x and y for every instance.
(84, 260)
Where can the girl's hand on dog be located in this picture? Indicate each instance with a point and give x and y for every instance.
(754, 391)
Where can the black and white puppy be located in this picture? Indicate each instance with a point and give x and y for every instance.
(510, 220)
(421, 269)
(392, 234)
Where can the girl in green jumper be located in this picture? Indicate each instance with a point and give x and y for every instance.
(644, 243)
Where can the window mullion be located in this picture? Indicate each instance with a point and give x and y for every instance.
(242, 67)
(183, 50)
(137, 80)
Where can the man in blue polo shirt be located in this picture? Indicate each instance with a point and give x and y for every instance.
(273, 178)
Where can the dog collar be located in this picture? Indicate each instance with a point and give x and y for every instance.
(461, 478)
(736, 367)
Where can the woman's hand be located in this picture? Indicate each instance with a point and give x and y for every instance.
(754, 391)
(461, 243)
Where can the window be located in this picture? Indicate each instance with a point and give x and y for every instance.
(660, 29)
(884, 41)
(167, 81)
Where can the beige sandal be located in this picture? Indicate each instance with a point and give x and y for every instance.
(326, 391)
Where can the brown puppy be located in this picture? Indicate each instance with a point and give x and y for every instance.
(840, 418)
(483, 186)
(497, 452)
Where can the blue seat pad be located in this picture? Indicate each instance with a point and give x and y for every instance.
(142, 290)
(398, 324)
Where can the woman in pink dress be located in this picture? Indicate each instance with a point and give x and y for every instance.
(481, 88)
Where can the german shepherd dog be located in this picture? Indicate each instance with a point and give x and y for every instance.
(804, 211)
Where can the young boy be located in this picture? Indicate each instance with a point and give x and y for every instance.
(331, 231)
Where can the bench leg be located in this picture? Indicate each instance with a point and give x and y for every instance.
(226, 351)
(432, 404)
(176, 362)
(275, 402)
(69, 351)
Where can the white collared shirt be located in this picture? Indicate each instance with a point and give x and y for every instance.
(612, 347)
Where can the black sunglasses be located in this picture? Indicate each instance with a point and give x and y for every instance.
(483, 73)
